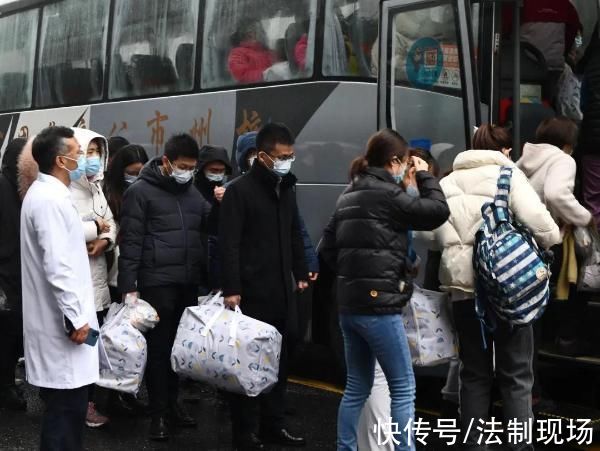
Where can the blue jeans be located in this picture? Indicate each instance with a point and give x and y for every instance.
(366, 338)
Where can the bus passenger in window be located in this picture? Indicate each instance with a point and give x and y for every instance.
(249, 56)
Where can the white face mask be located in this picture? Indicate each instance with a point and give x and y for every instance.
(214, 177)
(281, 167)
(181, 176)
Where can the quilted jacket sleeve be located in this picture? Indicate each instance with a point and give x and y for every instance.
(133, 226)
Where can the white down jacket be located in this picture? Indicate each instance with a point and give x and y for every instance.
(472, 184)
(90, 202)
(551, 172)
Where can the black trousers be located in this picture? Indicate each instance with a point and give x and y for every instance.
(11, 345)
(161, 381)
(267, 410)
(513, 351)
(63, 420)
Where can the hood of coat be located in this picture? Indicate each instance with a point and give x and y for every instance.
(84, 137)
(152, 173)
(27, 169)
(208, 154)
(471, 159)
(538, 156)
(245, 144)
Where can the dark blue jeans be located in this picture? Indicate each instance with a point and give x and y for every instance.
(366, 338)
(64, 418)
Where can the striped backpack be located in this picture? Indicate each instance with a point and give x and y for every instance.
(512, 273)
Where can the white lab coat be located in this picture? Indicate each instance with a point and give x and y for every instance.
(56, 282)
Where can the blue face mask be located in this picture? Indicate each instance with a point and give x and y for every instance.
(92, 166)
(399, 177)
(413, 191)
(79, 171)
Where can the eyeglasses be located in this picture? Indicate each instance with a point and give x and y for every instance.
(291, 158)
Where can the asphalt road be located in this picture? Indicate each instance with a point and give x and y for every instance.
(314, 417)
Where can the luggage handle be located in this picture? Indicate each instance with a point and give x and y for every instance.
(237, 314)
(211, 322)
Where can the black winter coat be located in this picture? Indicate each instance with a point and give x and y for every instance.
(161, 224)
(590, 127)
(10, 252)
(261, 245)
(366, 239)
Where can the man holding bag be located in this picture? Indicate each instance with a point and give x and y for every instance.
(162, 257)
(262, 253)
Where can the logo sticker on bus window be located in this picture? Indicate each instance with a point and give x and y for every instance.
(424, 63)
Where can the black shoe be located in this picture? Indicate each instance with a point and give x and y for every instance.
(282, 437)
(159, 429)
(11, 398)
(249, 443)
(181, 417)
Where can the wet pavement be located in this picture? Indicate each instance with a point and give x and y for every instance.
(313, 411)
(313, 416)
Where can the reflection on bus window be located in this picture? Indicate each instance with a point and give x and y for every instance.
(424, 48)
(71, 68)
(250, 41)
(153, 47)
(17, 54)
(350, 32)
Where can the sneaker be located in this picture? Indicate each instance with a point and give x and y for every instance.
(93, 418)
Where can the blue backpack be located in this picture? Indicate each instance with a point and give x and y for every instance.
(512, 274)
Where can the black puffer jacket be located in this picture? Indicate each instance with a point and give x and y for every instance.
(366, 239)
(161, 224)
(590, 127)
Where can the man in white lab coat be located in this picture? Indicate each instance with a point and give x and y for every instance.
(57, 286)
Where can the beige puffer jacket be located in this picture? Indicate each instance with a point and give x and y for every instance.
(472, 184)
(551, 172)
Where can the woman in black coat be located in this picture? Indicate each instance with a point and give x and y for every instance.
(366, 243)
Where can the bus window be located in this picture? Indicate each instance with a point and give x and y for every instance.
(72, 49)
(153, 47)
(250, 41)
(17, 52)
(350, 32)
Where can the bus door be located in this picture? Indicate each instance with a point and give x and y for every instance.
(427, 77)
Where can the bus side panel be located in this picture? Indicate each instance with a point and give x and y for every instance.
(29, 123)
(207, 117)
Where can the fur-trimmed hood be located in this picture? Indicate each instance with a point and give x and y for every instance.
(28, 169)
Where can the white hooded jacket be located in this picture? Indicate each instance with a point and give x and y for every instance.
(472, 184)
(91, 204)
(551, 172)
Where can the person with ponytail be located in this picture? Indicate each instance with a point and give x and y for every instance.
(366, 243)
